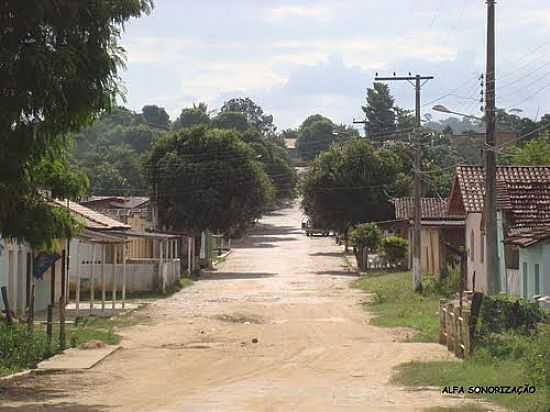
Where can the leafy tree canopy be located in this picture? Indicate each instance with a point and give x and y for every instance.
(533, 153)
(156, 117)
(230, 121)
(351, 184)
(59, 70)
(193, 116)
(316, 135)
(254, 114)
(208, 180)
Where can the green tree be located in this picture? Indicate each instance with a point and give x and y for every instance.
(59, 70)
(533, 153)
(156, 117)
(193, 116)
(351, 184)
(254, 114)
(276, 164)
(379, 112)
(395, 250)
(230, 121)
(366, 237)
(208, 180)
(315, 137)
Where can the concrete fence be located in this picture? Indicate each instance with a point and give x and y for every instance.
(142, 275)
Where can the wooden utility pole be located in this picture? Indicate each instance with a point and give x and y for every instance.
(417, 275)
(490, 158)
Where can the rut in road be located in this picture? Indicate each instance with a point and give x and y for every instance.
(314, 350)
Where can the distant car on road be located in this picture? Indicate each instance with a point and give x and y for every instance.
(312, 229)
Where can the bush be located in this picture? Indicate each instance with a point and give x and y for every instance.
(537, 360)
(20, 349)
(366, 235)
(395, 250)
(503, 314)
(446, 286)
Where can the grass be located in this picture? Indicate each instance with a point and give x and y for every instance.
(395, 304)
(19, 350)
(465, 408)
(478, 371)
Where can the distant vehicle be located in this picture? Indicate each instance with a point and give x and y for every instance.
(313, 229)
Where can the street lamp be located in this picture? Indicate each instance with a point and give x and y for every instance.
(443, 109)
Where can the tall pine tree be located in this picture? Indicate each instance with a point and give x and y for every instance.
(379, 112)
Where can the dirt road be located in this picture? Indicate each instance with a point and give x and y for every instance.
(315, 350)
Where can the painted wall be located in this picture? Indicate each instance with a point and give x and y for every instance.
(475, 252)
(16, 275)
(141, 274)
(529, 258)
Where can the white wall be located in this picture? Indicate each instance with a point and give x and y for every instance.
(141, 274)
(14, 274)
(475, 262)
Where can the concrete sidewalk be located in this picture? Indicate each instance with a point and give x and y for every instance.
(75, 359)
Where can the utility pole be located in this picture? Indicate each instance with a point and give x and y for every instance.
(490, 158)
(417, 275)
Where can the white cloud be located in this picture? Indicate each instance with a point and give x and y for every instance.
(319, 12)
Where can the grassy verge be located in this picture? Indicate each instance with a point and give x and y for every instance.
(478, 371)
(395, 304)
(509, 361)
(20, 350)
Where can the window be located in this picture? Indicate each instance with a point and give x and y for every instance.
(472, 246)
(482, 248)
(525, 279)
(537, 279)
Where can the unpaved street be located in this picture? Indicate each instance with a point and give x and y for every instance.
(315, 349)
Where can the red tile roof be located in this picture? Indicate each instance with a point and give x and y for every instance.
(431, 207)
(522, 190)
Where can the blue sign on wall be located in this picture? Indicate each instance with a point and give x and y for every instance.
(42, 263)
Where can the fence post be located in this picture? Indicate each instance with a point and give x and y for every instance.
(466, 331)
(49, 329)
(30, 318)
(62, 323)
(9, 319)
(442, 322)
(457, 331)
(449, 327)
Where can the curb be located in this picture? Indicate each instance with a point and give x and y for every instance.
(15, 376)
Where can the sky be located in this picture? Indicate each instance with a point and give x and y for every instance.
(296, 58)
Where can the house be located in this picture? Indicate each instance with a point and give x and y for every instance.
(523, 215)
(438, 230)
(96, 258)
(102, 251)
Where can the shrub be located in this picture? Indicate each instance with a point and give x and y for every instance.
(537, 361)
(366, 235)
(502, 314)
(20, 349)
(446, 286)
(395, 250)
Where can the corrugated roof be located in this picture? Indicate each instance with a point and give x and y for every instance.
(431, 208)
(523, 190)
(118, 202)
(90, 218)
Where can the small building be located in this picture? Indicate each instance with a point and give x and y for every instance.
(438, 231)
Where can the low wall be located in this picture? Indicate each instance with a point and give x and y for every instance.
(142, 275)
